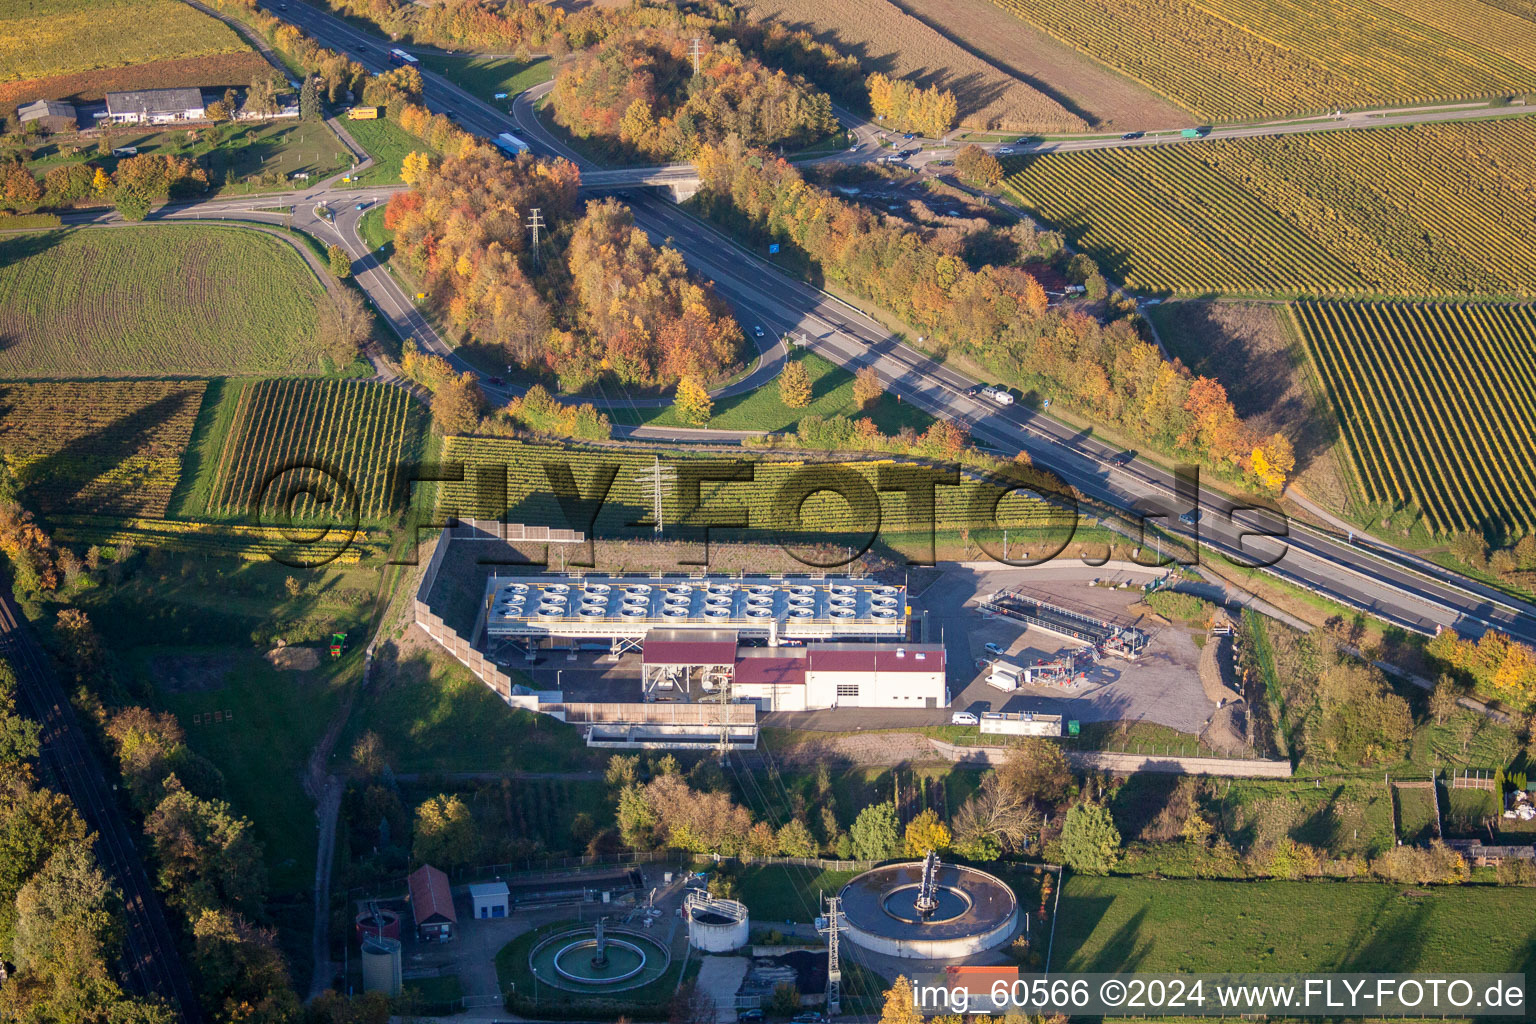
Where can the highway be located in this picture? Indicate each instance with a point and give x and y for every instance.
(69, 764)
(1393, 586)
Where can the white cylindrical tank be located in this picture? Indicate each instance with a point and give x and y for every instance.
(381, 966)
(716, 926)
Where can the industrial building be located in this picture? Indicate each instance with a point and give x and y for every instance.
(618, 611)
(711, 665)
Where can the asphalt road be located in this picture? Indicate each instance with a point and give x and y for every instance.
(68, 762)
(1392, 585)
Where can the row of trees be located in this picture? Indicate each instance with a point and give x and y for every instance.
(61, 923)
(136, 184)
(639, 91)
(905, 107)
(1494, 664)
(206, 860)
(596, 298)
(997, 315)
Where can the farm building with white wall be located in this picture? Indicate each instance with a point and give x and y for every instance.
(155, 106)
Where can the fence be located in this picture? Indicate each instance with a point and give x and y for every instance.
(533, 870)
(463, 648)
(1467, 781)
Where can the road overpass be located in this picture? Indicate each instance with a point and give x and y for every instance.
(1387, 584)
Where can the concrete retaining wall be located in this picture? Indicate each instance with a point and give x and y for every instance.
(1118, 763)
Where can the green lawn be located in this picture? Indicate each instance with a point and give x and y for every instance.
(277, 719)
(388, 144)
(831, 395)
(646, 1002)
(786, 892)
(1138, 924)
(487, 76)
(1415, 814)
(371, 227)
(235, 156)
(435, 716)
(149, 301)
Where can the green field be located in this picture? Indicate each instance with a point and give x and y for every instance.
(1415, 814)
(771, 499)
(434, 716)
(148, 301)
(486, 76)
(239, 158)
(388, 144)
(1146, 925)
(786, 892)
(1265, 58)
(42, 38)
(1437, 404)
(277, 718)
(831, 395)
(359, 434)
(1325, 214)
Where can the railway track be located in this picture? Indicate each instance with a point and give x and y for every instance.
(152, 964)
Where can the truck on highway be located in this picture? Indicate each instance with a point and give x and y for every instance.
(399, 56)
(510, 144)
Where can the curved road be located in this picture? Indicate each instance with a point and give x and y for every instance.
(1392, 585)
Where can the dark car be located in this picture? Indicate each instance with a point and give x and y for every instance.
(1125, 458)
(1134, 135)
(750, 1016)
(495, 382)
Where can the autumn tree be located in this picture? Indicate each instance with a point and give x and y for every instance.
(206, 854)
(795, 839)
(340, 261)
(925, 833)
(1090, 843)
(1037, 770)
(795, 385)
(867, 387)
(445, 833)
(345, 323)
(901, 1004)
(457, 403)
(977, 166)
(995, 820)
(693, 404)
(1442, 700)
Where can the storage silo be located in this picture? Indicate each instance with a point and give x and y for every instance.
(381, 965)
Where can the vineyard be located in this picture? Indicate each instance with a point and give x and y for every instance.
(1256, 59)
(44, 38)
(1437, 404)
(293, 433)
(223, 540)
(154, 301)
(1425, 211)
(108, 447)
(768, 500)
